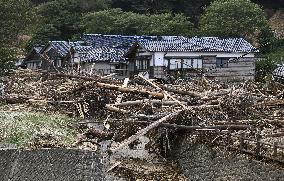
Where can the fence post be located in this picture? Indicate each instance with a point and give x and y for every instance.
(242, 142)
(257, 150)
(274, 154)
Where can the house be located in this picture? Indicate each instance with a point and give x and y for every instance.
(222, 59)
(278, 73)
(215, 58)
(52, 54)
(55, 52)
(33, 60)
(104, 53)
(103, 60)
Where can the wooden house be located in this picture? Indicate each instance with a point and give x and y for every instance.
(216, 58)
(103, 61)
(55, 53)
(278, 73)
(103, 54)
(33, 60)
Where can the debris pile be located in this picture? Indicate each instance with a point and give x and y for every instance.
(140, 106)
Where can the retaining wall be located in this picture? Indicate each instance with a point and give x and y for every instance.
(50, 164)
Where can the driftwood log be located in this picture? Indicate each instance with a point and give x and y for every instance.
(104, 80)
(157, 95)
(144, 131)
(138, 102)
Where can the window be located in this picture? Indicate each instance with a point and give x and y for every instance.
(188, 63)
(192, 63)
(222, 62)
(142, 64)
(175, 64)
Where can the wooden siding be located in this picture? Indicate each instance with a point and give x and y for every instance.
(237, 70)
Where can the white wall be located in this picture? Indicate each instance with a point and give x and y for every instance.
(158, 58)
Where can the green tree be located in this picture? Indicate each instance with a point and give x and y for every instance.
(7, 59)
(60, 19)
(273, 55)
(233, 18)
(116, 21)
(191, 8)
(15, 16)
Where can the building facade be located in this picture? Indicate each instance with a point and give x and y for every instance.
(222, 59)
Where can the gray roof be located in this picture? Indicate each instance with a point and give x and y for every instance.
(199, 44)
(101, 54)
(279, 72)
(112, 48)
(61, 47)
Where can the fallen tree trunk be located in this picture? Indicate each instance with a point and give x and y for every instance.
(182, 92)
(115, 109)
(112, 107)
(104, 80)
(143, 131)
(165, 92)
(14, 99)
(130, 90)
(215, 127)
(193, 128)
(276, 134)
(138, 102)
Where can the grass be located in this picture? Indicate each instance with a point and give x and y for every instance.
(24, 129)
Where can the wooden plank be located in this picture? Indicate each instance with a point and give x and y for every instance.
(235, 64)
(233, 78)
(231, 74)
(233, 70)
(209, 61)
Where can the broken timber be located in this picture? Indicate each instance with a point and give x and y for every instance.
(144, 131)
(130, 90)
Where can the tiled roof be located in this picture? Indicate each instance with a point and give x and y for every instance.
(196, 44)
(113, 47)
(102, 54)
(61, 47)
(279, 72)
(38, 48)
(113, 41)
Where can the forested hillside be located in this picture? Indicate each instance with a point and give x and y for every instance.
(259, 21)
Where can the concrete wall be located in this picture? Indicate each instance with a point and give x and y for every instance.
(50, 164)
(200, 161)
